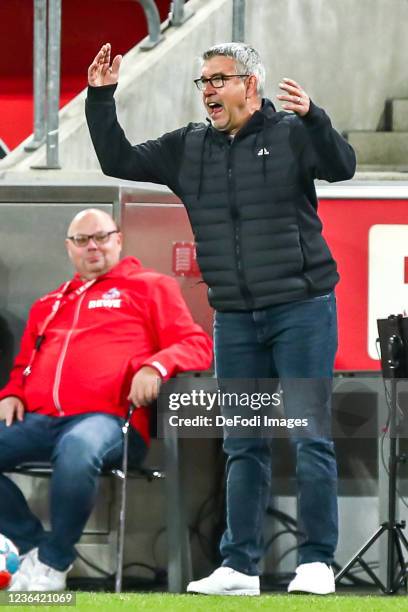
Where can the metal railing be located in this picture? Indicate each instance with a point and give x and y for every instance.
(238, 21)
(153, 24)
(47, 59)
(179, 13)
(39, 77)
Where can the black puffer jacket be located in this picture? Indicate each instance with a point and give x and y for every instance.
(251, 200)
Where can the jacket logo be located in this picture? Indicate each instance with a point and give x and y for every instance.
(263, 151)
(109, 300)
(104, 303)
(111, 294)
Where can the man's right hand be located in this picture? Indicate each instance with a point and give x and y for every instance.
(100, 72)
(10, 408)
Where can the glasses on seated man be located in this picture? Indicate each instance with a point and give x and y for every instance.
(82, 240)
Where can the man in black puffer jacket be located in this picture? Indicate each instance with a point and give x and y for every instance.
(247, 181)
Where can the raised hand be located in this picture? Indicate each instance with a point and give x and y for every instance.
(298, 100)
(101, 72)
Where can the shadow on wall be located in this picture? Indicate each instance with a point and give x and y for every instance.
(11, 327)
(6, 349)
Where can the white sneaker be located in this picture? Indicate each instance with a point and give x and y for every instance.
(21, 579)
(46, 578)
(314, 577)
(225, 581)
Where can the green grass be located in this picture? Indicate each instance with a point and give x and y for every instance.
(151, 602)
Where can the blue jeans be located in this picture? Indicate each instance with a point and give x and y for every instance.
(297, 340)
(78, 447)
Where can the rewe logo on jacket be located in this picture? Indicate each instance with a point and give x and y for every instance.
(110, 299)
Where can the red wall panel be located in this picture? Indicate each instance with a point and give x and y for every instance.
(86, 24)
(347, 224)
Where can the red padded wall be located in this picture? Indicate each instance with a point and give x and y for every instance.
(86, 24)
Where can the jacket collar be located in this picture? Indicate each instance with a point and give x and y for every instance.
(266, 114)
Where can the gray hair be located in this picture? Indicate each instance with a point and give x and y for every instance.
(247, 60)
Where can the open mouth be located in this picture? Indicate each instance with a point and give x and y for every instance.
(214, 109)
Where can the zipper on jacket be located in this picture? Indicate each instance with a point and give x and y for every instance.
(57, 381)
(236, 223)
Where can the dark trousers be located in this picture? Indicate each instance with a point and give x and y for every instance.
(78, 447)
(291, 341)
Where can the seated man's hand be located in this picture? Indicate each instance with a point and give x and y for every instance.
(145, 386)
(10, 408)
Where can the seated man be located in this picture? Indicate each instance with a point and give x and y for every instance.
(105, 338)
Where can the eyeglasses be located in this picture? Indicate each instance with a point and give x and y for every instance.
(81, 240)
(217, 81)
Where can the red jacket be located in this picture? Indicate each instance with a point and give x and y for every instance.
(130, 317)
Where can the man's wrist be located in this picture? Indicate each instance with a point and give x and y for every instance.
(9, 395)
(157, 367)
(102, 93)
(315, 115)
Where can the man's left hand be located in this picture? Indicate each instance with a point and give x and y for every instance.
(145, 386)
(297, 100)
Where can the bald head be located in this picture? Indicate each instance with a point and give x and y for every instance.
(99, 254)
(89, 215)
